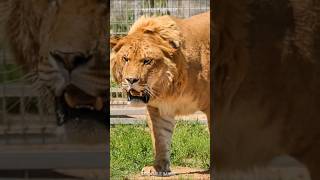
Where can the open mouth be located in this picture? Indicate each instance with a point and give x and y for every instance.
(76, 105)
(138, 97)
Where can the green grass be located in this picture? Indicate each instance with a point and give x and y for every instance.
(113, 84)
(131, 148)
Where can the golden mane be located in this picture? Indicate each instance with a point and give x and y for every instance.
(22, 32)
(165, 34)
(163, 26)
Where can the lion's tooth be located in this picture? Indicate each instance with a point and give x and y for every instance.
(69, 101)
(98, 104)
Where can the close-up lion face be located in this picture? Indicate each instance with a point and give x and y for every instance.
(144, 65)
(69, 45)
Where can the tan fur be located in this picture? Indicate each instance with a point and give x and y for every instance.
(178, 77)
(266, 93)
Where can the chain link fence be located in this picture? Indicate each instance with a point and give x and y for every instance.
(123, 13)
(24, 118)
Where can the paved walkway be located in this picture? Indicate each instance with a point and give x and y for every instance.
(123, 114)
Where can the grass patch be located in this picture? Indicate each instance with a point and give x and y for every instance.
(114, 84)
(131, 148)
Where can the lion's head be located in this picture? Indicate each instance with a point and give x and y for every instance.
(146, 62)
(63, 43)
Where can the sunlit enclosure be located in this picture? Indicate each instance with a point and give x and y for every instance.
(130, 140)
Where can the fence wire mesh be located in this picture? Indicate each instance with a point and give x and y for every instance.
(123, 13)
(24, 118)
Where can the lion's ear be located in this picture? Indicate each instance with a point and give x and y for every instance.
(149, 30)
(168, 30)
(173, 41)
(114, 41)
(175, 44)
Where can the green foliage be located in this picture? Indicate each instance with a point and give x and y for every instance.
(113, 84)
(131, 148)
(191, 145)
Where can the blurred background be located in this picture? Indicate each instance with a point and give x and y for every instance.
(32, 145)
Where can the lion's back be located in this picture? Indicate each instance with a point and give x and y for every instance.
(196, 38)
(195, 28)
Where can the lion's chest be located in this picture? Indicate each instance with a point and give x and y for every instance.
(183, 105)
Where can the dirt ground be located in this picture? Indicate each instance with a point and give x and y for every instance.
(280, 168)
(179, 173)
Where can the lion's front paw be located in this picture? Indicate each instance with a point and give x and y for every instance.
(151, 171)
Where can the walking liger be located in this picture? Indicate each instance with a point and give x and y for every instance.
(164, 62)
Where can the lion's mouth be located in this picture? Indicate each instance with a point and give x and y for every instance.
(138, 97)
(76, 105)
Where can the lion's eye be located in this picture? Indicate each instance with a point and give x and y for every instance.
(125, 59)
(147, 61)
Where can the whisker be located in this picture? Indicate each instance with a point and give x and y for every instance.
(151, 92)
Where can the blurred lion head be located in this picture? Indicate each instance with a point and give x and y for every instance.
(62, 43)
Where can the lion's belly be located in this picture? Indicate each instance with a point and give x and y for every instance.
(179, 106)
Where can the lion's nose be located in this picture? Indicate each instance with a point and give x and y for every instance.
(70, 60)
(132, 80)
